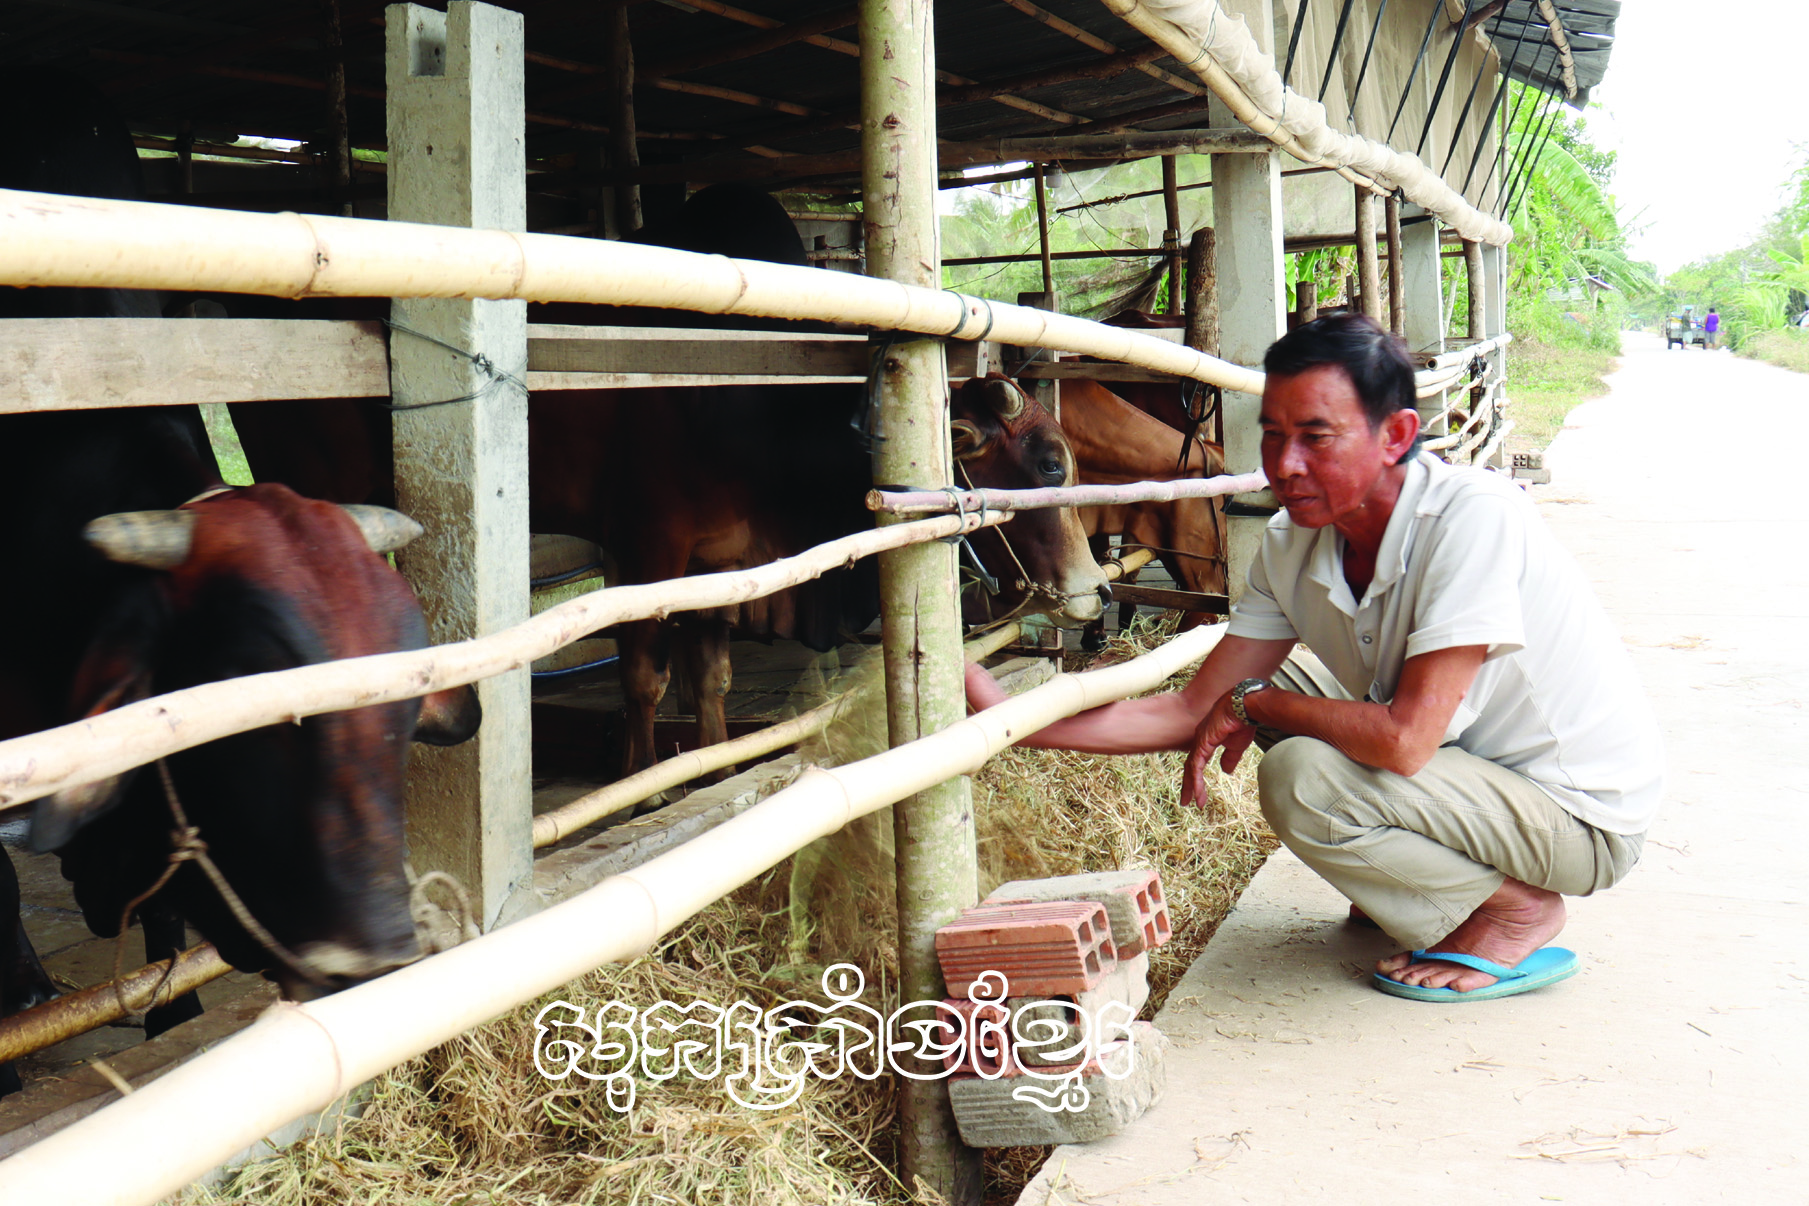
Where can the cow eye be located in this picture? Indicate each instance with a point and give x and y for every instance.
(1052, 469)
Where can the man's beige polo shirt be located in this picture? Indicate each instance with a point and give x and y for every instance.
(1466, 560)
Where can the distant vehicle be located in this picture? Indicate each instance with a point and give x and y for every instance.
(1681, 330)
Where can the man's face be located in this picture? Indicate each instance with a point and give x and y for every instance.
(1323, 459)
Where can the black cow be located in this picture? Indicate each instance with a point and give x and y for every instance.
(134, 571)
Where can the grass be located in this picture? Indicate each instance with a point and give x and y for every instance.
(472, 1122)
(1545, 382)
(1786, 347)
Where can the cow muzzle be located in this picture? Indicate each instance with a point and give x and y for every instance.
(162, 540)
(332, 966)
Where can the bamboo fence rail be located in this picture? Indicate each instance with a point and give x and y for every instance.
(297, 1059)
(87, 1009)
(917, 502)
(86, 242)
(112, 742)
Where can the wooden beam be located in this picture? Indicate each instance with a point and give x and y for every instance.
(1084, 370)
(622, 149)
(1194, 87)
(1369, 273)
(83, 363)
(564, 349)
(1132, 145)
(1176, 600)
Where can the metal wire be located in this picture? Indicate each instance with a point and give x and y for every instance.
(1444, 77)
(1331, 60)
(1507, 76)
(1363, 71)
(1294, 39)
(1431, 24)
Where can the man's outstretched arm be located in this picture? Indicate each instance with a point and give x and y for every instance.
(1156, 722)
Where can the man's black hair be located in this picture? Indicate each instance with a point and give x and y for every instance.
(1374, 359)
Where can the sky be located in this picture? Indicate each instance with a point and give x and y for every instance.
(1704, 103)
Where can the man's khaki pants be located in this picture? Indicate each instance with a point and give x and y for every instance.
(1420, 854)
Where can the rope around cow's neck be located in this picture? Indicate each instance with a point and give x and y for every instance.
(187, 846)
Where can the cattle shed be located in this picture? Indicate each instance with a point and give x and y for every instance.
(467, 163)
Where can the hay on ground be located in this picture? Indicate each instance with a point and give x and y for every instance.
(473, 1122)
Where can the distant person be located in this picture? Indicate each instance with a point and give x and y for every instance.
(1711, 326)
(1463, 741)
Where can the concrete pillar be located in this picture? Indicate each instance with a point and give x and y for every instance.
(1253, 301)
(456, 158)
(1423, 299)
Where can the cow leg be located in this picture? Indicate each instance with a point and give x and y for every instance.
(23, 980)
(1127, 610)
(707, 667)
(164, 938)
(642, 647)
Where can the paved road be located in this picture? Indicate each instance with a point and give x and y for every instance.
(1675, 1068)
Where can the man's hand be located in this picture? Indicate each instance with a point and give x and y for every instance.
(983, 690)
(1221, 729)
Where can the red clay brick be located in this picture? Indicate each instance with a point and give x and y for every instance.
(1057, 947)
(1133, 902)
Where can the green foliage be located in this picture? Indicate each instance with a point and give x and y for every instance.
(1758, 287)
(1001, 220)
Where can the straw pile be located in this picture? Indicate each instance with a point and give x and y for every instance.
(474, 1123)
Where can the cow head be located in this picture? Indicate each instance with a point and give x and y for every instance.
(304, 820)
(1003, 439)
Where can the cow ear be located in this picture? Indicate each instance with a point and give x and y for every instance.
(449, 717)
(56, 818)
(967, 439)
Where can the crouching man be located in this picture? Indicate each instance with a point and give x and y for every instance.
(1462, 741)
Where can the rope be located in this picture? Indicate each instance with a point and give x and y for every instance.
(421, 906)
(477, 359)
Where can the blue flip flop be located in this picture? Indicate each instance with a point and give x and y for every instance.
(1538, 969)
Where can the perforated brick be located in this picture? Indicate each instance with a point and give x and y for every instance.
(1125, 989)
(1133, 901)
(1059, 947)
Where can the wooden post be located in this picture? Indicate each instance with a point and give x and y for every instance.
(1396, 318)
(1494, 322)
(1171, 237)
(1306, 301)
(1203, 292)
(1042, 233)
(1424, 327)
(185, 157)
(937, 864)
(339, 130)
(456, 158)
(1247, 216)
(624, 151)
(1474, 288)
(1369, 276)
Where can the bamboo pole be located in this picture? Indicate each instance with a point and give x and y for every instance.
(1369, 276)
(1171, 235)
(298, 1059)
(111, 742)
(46, 239)
(1397, 312)
(567, 819)
(79, 1012)
(1042, 234)
(1463, 355)
(938, 864)
(921, 502)
(1222, 52)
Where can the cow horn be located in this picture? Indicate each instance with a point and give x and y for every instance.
(157, 540)
(383, 529)
(1006, 399)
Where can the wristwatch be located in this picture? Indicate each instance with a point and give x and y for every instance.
(1242, 689)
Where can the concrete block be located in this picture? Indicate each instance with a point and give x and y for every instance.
(1006, 1113)
(1133, 902)
(1045, 1027)
(1060, 947)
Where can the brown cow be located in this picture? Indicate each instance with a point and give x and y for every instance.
(683, 481)
(1117, 443)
